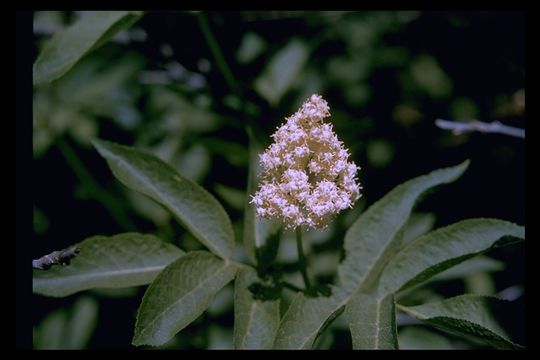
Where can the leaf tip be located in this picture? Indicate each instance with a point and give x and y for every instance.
(138, 341)
(458, 170)
(103, 147)
(462, 167)
(97, 143)
(465, 164)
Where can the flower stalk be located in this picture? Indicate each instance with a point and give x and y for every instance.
(302, 257)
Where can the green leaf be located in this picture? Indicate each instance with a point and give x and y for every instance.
(477, 265)
(270, 237)
(429, 77)
(372, 322)
(48, 334)
(417, 338)
(255, 321)
(466, 315)
(179, 294)
(443, 248)
(63, 329)
(235, 153)
(194, 162)
(372, 239)
(251, 46)
(483, 264)
(417, 225)
(307, 317)
(232, 196)
(82, 323)
(196, 208)
(116, 293)
(68, 46)
(480, 283)
(128, 259)
(281, 71)
(369, 242)
(219, 338)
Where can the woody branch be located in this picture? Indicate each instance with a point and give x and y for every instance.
(458, 127)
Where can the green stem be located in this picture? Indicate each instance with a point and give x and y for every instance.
(301, 256)
(218, 54)
(113, 206)
(230, 79)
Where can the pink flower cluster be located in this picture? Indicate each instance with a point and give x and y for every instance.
(306, 177)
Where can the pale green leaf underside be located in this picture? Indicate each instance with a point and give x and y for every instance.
(443, 248)
(369, 243)
(255, 321)
(372, 322)
(179, 294)
(68, 46)
(467, 315)
(128, 259)
(195, 207)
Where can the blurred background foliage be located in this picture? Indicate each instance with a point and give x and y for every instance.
(184, 86)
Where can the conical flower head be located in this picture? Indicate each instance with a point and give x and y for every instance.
(306, 178)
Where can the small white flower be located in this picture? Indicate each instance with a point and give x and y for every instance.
(306, 177)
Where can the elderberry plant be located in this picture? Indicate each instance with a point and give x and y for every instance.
(301, 182)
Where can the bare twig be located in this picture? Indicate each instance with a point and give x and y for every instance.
(61, 257)
(458, 128)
